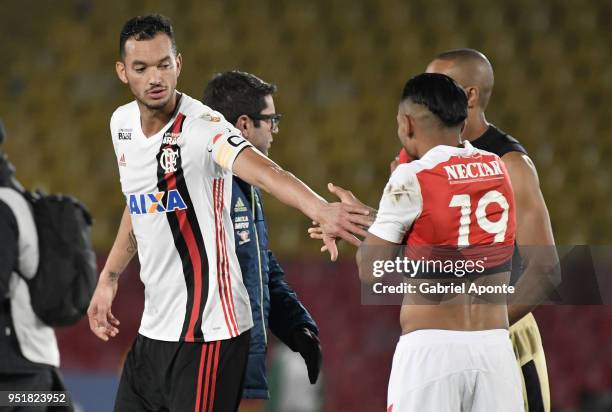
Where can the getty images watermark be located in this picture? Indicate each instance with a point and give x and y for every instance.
(536, 275)
(441, 269)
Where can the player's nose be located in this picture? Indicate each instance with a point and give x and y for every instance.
(155, 77)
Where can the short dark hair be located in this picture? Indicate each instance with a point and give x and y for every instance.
(440, 94)
(235, 93)
(145, 28)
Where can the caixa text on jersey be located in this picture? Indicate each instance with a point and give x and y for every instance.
(157, 202)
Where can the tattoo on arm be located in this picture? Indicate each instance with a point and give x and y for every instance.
(373, 213)
(114, 276)
(133, 246)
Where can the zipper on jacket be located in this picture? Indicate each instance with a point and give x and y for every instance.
(254, 205)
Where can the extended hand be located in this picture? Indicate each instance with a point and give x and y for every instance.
(101, 320)
(338, 220)
(346, 197)
(308, 345)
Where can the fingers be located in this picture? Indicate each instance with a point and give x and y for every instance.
(91, 313)
(102, 322)
(343, 234)
(315, 233)
(112, 319)
(336, 190)
(355, 230)
(341, 193)
(354, 209)
(330, 244)
(111, 329)
(365, 221)
(331, 188)
(99, 328)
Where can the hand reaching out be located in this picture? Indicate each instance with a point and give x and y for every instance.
(338, 220)
(360, 218)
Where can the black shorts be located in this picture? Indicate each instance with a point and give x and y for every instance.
(182, 376)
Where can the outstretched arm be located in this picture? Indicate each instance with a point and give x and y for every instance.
(336, 220)
(101, 320)
(347, 197)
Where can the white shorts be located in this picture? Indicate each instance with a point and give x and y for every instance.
(447, 371)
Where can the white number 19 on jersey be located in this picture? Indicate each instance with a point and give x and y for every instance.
(497, 228)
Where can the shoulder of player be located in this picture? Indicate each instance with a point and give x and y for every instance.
(406, 174)
(123, 114)
(504, 142)
(432, 159)
(519, 165)
(125, 110)
(208, 124)
(503, 134)
(486, 153)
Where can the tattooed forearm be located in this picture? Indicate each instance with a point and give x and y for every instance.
(133, 246)
(114, 276)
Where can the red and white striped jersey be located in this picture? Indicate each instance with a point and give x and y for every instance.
(452, 196)
(177, 184)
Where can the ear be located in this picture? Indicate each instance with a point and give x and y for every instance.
(120, 69)
(473, 95)
(409, 126)
(179, 64)
(244, 125)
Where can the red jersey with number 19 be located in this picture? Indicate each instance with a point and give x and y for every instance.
(452, 196)
(177, 185)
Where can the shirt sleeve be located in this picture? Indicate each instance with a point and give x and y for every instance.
(400, 205)
(225, 145)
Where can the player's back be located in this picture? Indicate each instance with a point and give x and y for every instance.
(465, 198)
(454, 202)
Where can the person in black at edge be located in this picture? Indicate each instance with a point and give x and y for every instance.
(246, 102)
(29, 359)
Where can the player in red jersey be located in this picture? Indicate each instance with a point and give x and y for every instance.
(454, 356)
(535, 255)
(535, 259)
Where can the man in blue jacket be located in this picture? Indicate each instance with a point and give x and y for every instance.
(246, 101)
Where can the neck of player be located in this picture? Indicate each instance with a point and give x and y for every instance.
(475, 126)
(153, 120)
(429, 141)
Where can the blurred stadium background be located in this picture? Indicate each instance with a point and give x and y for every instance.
(339, 66)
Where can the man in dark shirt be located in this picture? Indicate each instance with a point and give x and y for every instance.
(246, 102)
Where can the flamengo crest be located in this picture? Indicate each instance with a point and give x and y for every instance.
(168, 159)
